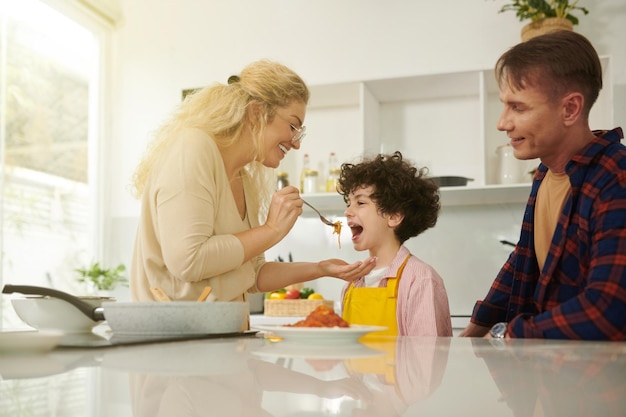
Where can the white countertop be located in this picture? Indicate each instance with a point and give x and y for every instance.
(252, 376)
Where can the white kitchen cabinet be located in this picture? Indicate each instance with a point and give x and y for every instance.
(446, 122)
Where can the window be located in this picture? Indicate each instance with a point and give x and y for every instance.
(49, 82)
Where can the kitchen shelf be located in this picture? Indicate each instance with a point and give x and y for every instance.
(490, 194)
(445, 122)
(333, 204)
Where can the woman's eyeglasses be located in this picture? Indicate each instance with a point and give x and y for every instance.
(300, 131)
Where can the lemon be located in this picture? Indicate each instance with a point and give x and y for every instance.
(315, 296)
(278, 296)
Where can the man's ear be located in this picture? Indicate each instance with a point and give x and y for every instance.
(573, 105)
(394, 220)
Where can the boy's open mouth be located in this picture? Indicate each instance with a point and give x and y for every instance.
(356, 231)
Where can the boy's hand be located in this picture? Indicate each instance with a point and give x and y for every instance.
(338, 268)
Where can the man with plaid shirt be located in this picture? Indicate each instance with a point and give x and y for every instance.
(566, 278)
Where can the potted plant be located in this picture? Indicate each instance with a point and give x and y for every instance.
(545, 15)
(101, 279)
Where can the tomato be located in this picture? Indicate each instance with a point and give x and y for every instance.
(315, 296)
(292, 294)
(278, 296)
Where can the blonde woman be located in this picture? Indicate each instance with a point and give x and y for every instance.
(207, 213)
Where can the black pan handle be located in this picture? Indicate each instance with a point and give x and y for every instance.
(96, 314)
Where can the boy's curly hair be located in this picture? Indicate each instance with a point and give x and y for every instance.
(399, 187)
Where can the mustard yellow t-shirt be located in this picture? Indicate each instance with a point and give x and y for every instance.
(552, 193)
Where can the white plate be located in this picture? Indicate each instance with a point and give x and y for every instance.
(321, 335)
(20, 342)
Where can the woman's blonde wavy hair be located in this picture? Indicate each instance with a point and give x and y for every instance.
(221, 111)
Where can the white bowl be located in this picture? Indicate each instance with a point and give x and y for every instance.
(45, 313)
(176, 317)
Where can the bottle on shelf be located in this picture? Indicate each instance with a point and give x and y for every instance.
(282, 180)
(333, 173)
(306, 166)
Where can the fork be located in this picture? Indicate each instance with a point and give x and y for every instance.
(322, 218)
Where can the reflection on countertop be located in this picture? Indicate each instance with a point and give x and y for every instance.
(386, 376)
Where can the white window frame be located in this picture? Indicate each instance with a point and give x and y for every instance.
(101, 17)
(101, 23)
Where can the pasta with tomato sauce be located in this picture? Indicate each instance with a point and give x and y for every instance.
(322, 316)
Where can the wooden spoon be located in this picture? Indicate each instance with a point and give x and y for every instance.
(159, 294)
(205, 293)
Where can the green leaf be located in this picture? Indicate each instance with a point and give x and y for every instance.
(305, 292)
(535, 10)
(101, 278)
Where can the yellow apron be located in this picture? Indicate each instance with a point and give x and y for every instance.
(374, 306)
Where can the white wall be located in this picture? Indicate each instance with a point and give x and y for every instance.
(161, 50)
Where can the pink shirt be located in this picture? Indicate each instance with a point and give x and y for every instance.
(422, 305)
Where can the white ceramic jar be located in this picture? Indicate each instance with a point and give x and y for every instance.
(310, 184)
(508, 166)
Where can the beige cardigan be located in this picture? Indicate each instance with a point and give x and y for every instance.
(188, 217)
